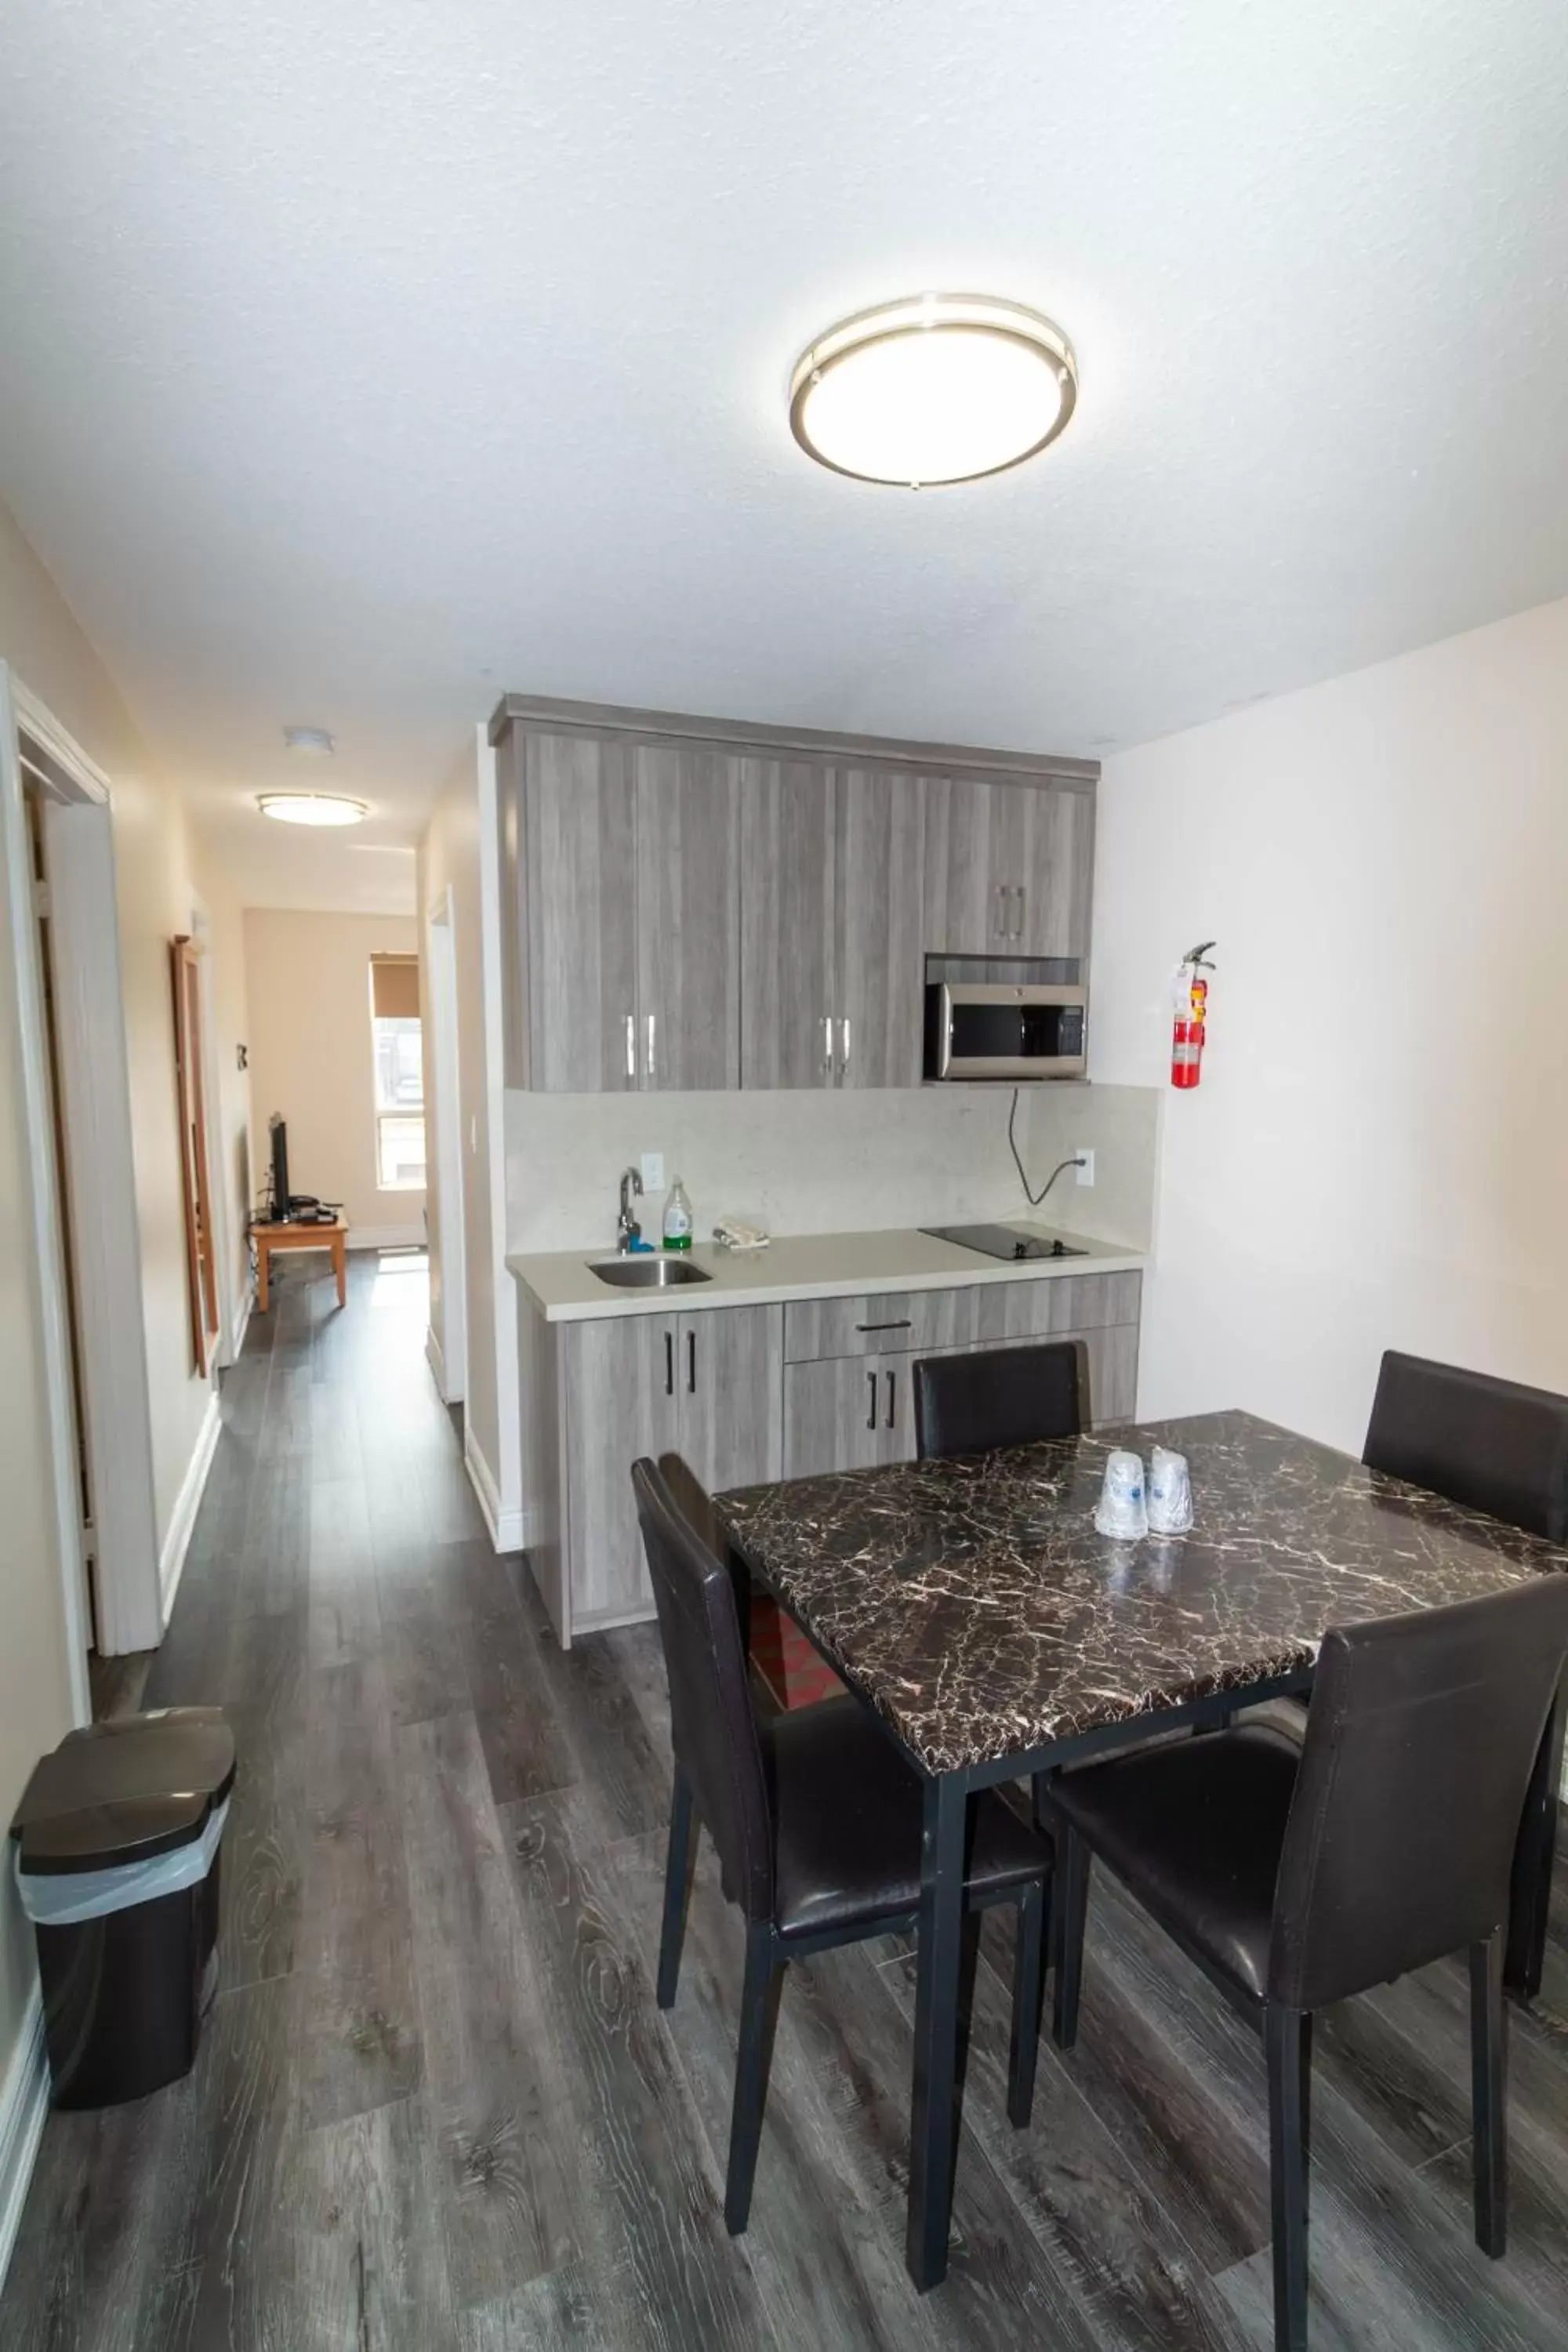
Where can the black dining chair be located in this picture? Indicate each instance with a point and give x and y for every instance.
(998, 1396)
(1297, 1873)
(1493, 1445)
(1496, 1446)
(817, 1822)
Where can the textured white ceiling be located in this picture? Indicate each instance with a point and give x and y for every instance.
(359, 363)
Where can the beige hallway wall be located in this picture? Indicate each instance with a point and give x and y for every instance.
(307, 980)
(49, 654)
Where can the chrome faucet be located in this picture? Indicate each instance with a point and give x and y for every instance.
(628, 1233)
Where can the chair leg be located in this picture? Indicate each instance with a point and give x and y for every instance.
(1489, 2086)
(676, 1872)
(1028, 1992)
(1288, 2042)
(1069, 1914)
(752, 2062)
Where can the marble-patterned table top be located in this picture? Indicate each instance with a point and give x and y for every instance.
(974, 1605)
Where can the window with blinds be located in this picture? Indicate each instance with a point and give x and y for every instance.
(398, 1046)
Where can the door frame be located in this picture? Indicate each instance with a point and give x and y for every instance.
(219, 1176)
(448, 1348)
(99, 1178)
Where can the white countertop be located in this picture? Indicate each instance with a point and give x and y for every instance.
(802, 1265)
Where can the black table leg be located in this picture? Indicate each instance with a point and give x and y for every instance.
(1530, 1892)
(933, 2121)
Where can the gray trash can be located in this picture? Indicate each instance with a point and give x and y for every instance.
(117, 1840)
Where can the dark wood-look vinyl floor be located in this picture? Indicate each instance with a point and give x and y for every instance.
(436, 2105)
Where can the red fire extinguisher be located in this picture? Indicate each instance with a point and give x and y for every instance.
(1191, 1006)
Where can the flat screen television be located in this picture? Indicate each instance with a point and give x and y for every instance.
(280, 1134)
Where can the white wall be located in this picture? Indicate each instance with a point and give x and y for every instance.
(1377, 1153)
(451, 858)
(307, 980)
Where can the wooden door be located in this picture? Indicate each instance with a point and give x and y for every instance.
(787, 848)
(687, 799)
(878, 928)
(1043, 855)
(200, 1266)
(846, 1413)
(619, 1399)
(580, 883)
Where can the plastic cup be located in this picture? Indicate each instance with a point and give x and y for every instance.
(1170, 1493)
(1122, 1511)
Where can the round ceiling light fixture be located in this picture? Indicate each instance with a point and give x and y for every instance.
(937, 388)
(311, 808)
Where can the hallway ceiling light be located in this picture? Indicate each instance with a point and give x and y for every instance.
(311, 808)
(936, 388)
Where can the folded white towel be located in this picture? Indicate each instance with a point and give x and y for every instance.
(732, 1233)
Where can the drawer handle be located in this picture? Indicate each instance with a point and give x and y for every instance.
(884, 1327)
(871, 1416)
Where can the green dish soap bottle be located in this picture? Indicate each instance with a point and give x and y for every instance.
(677, 1218)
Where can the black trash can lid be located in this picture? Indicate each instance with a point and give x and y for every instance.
(125, 1791)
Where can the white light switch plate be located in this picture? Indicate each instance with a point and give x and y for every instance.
(1086, 1173)
(653, 1171)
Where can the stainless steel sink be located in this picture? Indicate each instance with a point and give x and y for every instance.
(648, 1273)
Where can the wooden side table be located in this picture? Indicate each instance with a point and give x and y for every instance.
(295, 1235)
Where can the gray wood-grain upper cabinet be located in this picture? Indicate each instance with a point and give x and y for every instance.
(578, 877)
(787, 923)
(1008, 869)
(627, 867)
(706, 1387)
(879, 967)
(688, 805)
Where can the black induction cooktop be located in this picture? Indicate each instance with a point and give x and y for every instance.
(1011, 1241)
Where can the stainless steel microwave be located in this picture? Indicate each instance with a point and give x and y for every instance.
(993, 1029)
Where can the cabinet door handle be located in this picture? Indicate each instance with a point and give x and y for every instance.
(1018, 931)
(827, 1041)
(844, 1062)
(670, 1363)
(652, 1064)
(631, 1047)
(1001, 925)
(871, 1416)
(892, 1397)
(884, 1327)
(691, 1363)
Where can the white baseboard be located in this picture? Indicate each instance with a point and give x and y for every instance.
(242, 1324)
(409, 1236)
(187, 1503)
(24, 2104)
(508, 1528)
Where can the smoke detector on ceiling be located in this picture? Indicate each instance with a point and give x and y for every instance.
(311, 742)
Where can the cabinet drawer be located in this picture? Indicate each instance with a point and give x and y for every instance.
(1067, 1302)
(903, 1322)
(891, 1322)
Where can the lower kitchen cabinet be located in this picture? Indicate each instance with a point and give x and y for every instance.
(743, 1394)
(706, 1388)
(847, 1412)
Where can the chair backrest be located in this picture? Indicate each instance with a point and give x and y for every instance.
(998, 1396)
(1420, 1740)
(713, 1727)
(1490, 1443)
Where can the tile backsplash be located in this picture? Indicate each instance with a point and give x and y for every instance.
(804, 1162)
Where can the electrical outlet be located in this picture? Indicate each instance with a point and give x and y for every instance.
(653, 1171)
(1086, 1172)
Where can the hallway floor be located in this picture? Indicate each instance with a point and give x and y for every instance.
(436, 2105)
